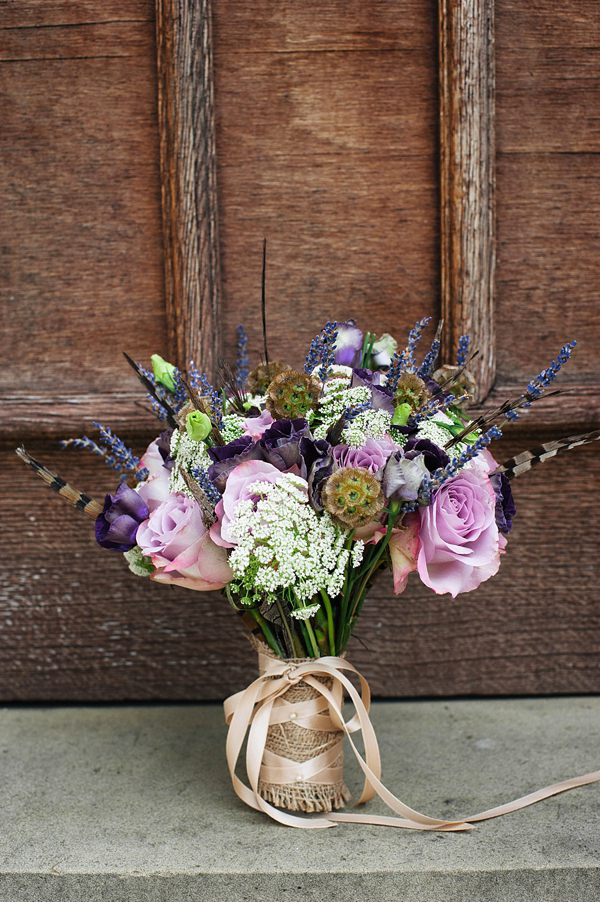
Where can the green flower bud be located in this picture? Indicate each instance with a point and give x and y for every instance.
(198, 425)
(401, 414)
(164, 372)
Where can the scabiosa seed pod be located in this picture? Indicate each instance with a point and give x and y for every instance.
(353, 496)
(459, 386)
(411, 390)
(291, 395)
(261, 377)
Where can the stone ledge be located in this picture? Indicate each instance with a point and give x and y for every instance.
(135, 803)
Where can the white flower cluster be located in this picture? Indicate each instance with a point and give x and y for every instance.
(284, 544)
(337, 398)
(368, 424)
(436, 433)
(232, 427)
(189, 454)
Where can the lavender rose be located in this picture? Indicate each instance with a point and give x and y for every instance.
(236, 490)
(372, 456)
(460, 543)
(180, 546)
(116, 527)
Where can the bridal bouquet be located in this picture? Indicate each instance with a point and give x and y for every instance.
(291, 490)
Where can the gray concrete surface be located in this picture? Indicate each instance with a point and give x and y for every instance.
(134, 803)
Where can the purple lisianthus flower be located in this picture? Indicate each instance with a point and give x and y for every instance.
(348, 344)
(280, 443)
(116, 527)
(434, 456)
(317, 466)
(402, 476)
(227, 457)
(505, 505)
(383, 398)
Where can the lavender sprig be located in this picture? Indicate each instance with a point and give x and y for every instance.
(124, 457)
(395, 371)
(414, 336)
(314, 354)
(464, 342)
(426, 368)
(536, 387)
(202, 478)
(214, 398)
(329, 337)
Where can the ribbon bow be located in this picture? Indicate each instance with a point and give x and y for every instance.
(262, 704)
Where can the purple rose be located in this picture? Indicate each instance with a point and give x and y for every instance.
(280, 444)
(372, 456)
(435, 457)
(116, 527)
(181, 548)
(348, 344)
(460, 543)
(505, 505)
(227, 457)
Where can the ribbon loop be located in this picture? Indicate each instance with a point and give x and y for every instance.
(254, 709)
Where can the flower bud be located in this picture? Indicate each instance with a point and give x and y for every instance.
(164, 372)
(198, 425)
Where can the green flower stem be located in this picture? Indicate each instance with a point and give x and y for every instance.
(267, 632)
(330, 628)
(313, 639)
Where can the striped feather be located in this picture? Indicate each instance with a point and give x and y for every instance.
(78, 499)
(528, 459)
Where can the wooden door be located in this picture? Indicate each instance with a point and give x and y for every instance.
(318, 127)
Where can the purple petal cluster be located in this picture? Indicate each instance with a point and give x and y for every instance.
(116, 527)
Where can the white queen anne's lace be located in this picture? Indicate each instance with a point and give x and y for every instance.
(283, 544)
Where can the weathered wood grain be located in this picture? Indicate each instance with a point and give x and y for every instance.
(467, 157)
(74, 623)
(548, 199)
(45, 13)
(548, 58)
(82, 254)
(326, 146)
(189, 184)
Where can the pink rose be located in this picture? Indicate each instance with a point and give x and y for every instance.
(460, 546)
(180, 546)
(152, 459)
(155, 489)
(236, 490)
(256, 426)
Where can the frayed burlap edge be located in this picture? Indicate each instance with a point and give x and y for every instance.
(295, 743)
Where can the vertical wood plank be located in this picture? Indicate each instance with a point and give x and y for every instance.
(188, 176)
(466, 59)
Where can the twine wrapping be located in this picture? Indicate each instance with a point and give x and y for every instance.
(303, 762)
(263, 704)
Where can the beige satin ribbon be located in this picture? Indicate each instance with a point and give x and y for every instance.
(262, 704)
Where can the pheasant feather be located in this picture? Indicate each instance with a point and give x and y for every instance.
(78, 499)
(523, 462)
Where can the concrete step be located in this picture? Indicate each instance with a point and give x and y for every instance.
(135, 803)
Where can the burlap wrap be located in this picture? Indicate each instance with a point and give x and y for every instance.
(294, 737)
